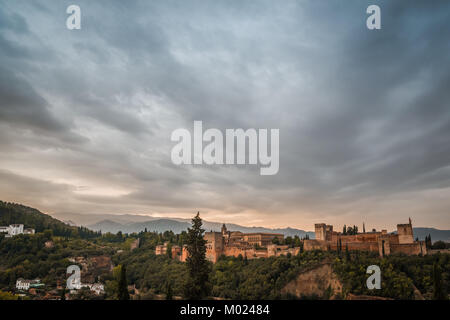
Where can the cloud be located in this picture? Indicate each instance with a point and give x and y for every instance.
(363, 115)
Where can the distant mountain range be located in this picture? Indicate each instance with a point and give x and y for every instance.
(177, 226)
(128, 223)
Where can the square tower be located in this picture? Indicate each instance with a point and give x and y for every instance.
(405, 233)
(321, 231)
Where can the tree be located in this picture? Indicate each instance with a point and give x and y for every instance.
(428, 241)
(169, 294)
(347, 253)
(48, 234)
(122, 293)
(439, 245)
(197, 285)
(289, 241)
(438, 288)
(169, 250)
(344, 230)
(297, 241)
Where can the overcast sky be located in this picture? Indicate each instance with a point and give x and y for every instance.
(364, 116)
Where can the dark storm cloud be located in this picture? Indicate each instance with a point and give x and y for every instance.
(22, 105)
(363, 115)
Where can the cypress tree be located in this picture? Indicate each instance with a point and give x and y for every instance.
(169, 295)
(122, 293)
(438, 288)
(428, 241)
(197, 285)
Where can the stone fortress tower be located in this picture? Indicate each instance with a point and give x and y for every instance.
(405, 233)
(320, 230)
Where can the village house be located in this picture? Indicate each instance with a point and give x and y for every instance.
(97, 288)
(15, 229)
(25, 285)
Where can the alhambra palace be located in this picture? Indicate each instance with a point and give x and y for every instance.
(258, 245)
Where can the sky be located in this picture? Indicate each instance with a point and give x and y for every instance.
(363, 115)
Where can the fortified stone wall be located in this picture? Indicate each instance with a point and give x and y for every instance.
(315, 245)
(409, 248)
(362, 237)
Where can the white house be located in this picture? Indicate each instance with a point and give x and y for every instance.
(23, 284)
(15, 229)
(98, 288)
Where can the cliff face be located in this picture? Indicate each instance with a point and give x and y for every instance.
(315, 283)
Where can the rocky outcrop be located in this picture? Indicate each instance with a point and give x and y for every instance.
(318, 282)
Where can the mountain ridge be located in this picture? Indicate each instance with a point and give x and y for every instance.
(122, 223)
(166, 224)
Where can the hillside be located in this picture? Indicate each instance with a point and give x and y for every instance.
(13, 213)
